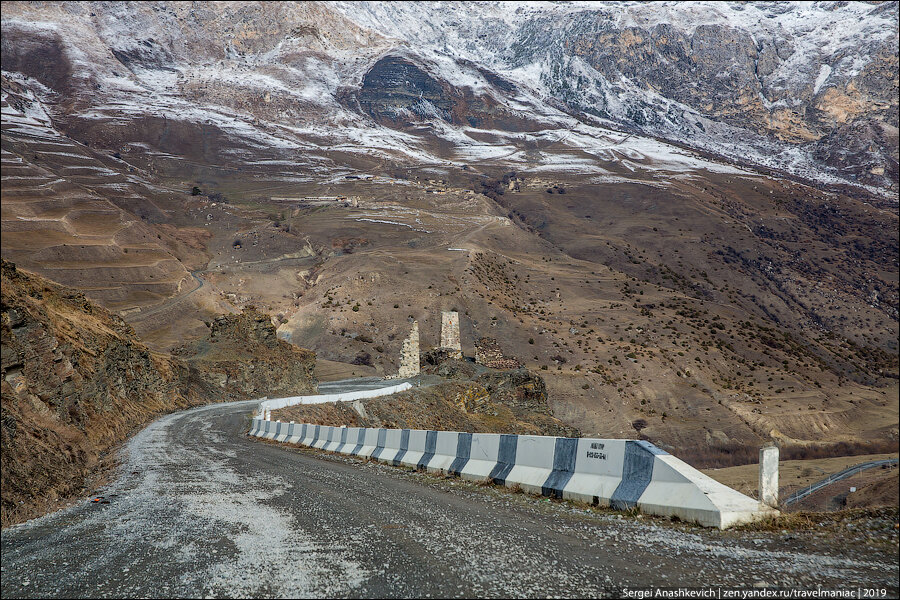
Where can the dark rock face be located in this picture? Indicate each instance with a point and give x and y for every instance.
(395, 89)
(396, 92)
(849, 148)
(38, 55)
(75, 380)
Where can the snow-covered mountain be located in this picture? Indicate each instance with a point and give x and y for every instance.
(808, 89)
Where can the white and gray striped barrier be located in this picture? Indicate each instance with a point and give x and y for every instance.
(623, 474)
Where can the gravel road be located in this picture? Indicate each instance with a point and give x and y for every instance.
(199, 509)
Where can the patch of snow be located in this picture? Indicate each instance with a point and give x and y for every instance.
(824, 74)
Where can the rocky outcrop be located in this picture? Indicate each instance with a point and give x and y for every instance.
(440, 362)
(242, 357)
(722, 73)
(400, 90)
(76, 381)
(520, 389)
(493, 402)
(776, 84)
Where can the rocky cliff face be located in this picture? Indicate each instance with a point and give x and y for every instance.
(76, 381)
(243, 358)
(777, 84)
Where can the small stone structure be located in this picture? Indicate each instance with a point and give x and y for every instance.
(488, 354)
(768, 475)
(450, 333)
(409, 354)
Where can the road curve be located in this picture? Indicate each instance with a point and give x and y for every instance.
(835, 477)
(199, 509)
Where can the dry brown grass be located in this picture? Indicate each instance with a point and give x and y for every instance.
(819, 520)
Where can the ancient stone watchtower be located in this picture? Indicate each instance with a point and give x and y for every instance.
(450, 333)
(409, 354)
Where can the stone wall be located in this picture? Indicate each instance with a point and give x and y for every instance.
(488, 353)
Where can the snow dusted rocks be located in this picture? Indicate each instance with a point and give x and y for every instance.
(806, 88)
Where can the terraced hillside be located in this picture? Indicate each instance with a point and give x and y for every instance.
(187, 162)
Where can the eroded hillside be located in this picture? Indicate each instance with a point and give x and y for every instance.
(76, 381)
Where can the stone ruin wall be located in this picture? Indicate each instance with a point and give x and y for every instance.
(488, 354)
(450, 333)
(409, 354)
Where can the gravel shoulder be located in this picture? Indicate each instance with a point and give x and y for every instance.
(200, 509)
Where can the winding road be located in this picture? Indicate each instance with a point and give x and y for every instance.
(839, 476)
(199, 509)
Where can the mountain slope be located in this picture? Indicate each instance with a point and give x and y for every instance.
(349, 167)
(810, 89)
(76, 381)
(786, 87)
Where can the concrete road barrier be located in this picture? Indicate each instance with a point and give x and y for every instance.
(484, 453)
(444, 453)
(370, 442)
(348, 439)
(390, 447)
(415, 450)
(360, 442)
(312, 434)
(276, 403)
(284, 432)
(297, 433)
(324, 433)
(272, 430)
(338, 439)
(622, 474)
(534, 463)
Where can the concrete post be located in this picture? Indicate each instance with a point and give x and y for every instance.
(768, 475)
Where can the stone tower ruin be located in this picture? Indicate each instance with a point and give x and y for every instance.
(450, 333)
(409, 354)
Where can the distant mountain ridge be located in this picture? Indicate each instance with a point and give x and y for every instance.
(810, 90)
